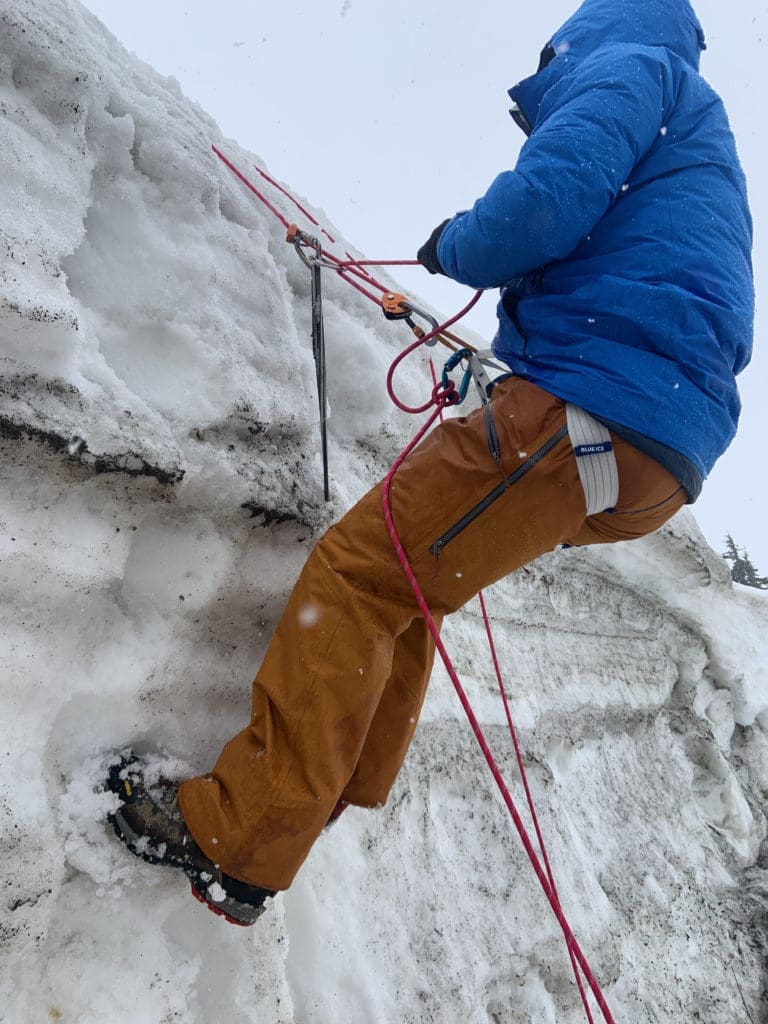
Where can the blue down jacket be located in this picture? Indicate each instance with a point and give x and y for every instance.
(621, 241)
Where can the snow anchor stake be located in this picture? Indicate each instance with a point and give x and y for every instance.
(301, 242)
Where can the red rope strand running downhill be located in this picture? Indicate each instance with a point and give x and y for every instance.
(441, 398)
(529, 794)
(544, 881)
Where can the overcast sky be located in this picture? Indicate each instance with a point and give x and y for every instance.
(392, 115)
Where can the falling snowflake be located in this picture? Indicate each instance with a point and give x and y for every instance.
(309, 615)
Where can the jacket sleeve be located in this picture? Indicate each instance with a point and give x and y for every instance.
(593, 127)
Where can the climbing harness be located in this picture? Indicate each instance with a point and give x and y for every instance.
(597, 471)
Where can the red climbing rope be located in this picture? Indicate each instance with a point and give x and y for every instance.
(412, 347)
(296, 203)
(352, 271)
(529, 794)
(443, 398)
(443, 395)
(518, 751)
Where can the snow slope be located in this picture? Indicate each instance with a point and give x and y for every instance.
(160, 489)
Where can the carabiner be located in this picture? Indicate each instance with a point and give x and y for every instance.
(450, 364)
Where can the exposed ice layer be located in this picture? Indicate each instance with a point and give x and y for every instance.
(161, 486)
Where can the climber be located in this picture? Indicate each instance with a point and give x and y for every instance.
(621, 243)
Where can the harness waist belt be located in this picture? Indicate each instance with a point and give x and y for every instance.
(595, 459)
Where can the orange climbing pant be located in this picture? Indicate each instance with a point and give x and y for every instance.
(337, 698)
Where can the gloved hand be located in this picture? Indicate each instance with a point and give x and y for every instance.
(427, 254)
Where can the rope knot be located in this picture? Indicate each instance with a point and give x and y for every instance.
(444, 393)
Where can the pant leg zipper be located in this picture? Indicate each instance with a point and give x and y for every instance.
(453, 532)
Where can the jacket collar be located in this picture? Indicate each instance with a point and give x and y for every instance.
(528, 94)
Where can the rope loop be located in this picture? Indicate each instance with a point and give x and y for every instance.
(444, 393)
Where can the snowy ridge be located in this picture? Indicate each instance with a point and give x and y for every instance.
(161, 488)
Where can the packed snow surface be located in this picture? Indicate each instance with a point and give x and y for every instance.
(161, 486)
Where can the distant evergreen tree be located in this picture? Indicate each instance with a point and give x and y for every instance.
(731, 552)
(742, 569)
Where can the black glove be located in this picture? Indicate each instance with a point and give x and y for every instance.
(427, 254)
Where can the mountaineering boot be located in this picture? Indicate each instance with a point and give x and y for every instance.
(150, 824)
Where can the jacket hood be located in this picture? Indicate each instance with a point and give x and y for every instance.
(600, 24)
(597, 23)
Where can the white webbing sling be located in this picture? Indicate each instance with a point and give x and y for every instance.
(595, 459)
